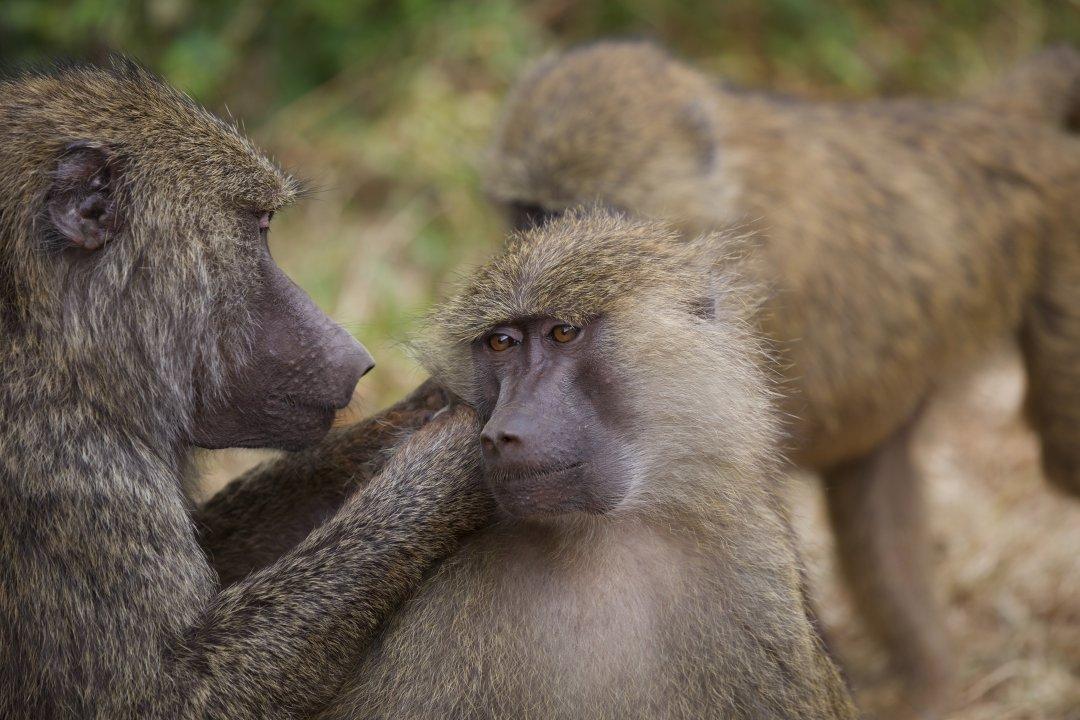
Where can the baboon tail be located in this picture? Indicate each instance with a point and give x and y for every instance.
(1045, 88)
(1050, 340)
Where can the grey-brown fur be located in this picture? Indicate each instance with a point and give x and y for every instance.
(899, 239)
(685, 601)
(264, 513)
(109, 608)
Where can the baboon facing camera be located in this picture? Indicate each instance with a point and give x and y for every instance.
(641, 565)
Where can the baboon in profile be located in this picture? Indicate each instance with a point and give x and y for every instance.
(140, 315)
(641, 565)
(899, 239)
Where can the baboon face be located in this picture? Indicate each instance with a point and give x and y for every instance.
(554, 441)
(161, 253)
(301, 369)
(591, 347)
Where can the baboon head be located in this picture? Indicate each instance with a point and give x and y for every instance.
(602, 351)
(620, 123)
(134, 264)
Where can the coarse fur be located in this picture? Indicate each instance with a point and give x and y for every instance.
(898, 240)
(134, 284)
(264, 513)
(683, 601)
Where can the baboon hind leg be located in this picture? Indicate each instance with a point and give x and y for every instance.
(1050, 339)
(876, 507)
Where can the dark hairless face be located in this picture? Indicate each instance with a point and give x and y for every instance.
(554, 442)
(526, 215)
(302, 369)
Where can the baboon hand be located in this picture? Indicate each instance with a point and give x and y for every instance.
(436, 472)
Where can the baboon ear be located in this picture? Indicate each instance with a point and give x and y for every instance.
(82, 203)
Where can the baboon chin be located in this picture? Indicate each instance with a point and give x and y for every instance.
(641, 566)
(897, 240)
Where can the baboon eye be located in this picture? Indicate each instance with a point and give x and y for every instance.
(499, 342)
(564, 333)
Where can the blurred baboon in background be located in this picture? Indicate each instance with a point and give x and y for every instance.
(899, 239)
(642, 565)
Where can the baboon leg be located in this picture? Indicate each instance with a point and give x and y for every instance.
(876, 508)
(262, 514)
(1050, 339)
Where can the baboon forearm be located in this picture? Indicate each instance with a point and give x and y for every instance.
(265, 512)
(278, 642)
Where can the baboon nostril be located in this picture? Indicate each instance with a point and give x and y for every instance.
(498, 440)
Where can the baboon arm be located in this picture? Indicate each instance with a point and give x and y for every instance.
(265, 512)
(279, 642)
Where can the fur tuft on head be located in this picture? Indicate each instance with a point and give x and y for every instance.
(575, 268)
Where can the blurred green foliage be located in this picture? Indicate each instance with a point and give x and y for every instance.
(276, 50)
(386, 106)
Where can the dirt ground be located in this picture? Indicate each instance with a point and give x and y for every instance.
(1007, 549)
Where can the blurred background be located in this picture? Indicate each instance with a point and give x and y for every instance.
(386, 108)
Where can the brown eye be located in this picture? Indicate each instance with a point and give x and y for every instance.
(499, 342)
(564, 333)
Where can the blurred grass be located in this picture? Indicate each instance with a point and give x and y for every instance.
(386, 107)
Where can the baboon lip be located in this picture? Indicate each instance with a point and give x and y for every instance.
(556, 471)
(521, 474)
(317, 404)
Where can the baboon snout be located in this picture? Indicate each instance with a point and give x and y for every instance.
(526, 442)
(346, 361)
(319, 362)
(497, 441)
(509, 441)
(536, 424)
(301, 369)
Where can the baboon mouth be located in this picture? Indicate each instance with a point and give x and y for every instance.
(558, 470)
(315, 404)
(536, 473)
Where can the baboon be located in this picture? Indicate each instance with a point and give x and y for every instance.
(141, 315)
(641, 564)
(898, 240)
